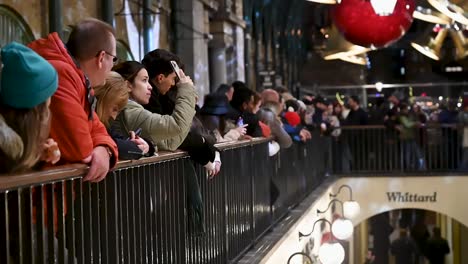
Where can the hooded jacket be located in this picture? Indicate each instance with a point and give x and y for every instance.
(75, 134)
(166, 131)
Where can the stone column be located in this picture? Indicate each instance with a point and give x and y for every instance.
(217, 66)
(192, 41)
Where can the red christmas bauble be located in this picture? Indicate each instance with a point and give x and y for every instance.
(358, 21)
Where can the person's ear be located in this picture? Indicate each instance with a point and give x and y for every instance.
(100, 59)
(129, 86)
(159, 78)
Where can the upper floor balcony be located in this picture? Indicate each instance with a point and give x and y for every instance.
(150, 210)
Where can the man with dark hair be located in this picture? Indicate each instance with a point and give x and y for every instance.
(357, 116)
(82, 64)
(181, 104)
(227, 90)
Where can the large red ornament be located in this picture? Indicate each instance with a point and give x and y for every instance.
(360, 24)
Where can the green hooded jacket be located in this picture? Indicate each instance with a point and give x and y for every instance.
(166, 131)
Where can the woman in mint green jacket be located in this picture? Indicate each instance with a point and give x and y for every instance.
(166, 131)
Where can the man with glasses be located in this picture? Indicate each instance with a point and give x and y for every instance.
(82, 63)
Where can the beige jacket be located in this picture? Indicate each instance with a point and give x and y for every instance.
(166, 131)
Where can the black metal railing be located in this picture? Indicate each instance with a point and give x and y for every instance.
(143, 212)
(432, 148)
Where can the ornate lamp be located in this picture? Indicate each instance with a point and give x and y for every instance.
(460, 43)
(351, 207)
(330, 252)
(431, 45)
(338, 47)
(431, 16)
(374, 23)
(341, 228)
(451, 10)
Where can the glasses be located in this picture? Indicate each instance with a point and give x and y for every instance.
(115, 59)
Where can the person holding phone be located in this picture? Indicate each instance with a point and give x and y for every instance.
(166, 131)
(112, 98)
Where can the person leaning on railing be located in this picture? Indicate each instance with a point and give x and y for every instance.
(112, 98)
(27, 83)
(82, 63)
(198, 144)
(212, 116)
(166, 131)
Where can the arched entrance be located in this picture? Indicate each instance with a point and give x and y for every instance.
(13, 28)
(409, 234)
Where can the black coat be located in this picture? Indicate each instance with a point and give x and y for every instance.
(128, 150)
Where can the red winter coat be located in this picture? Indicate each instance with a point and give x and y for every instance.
(75, 134)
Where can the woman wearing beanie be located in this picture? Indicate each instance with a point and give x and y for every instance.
(112, 98)
(27, 83)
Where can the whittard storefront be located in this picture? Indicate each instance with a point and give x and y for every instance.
(442, 201)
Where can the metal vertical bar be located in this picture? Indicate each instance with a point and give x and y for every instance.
(153, 223)
(80, 220)
(145, 213)
(70, 224)
(94, 220)
(29, 226)
(104, 220)
(159, 211)
(59, 188)
(50, 223)
(125, 185)
(88, 224)
(41, 239)
(137, 213)
(55, 16)
(18, 225)
(5, 232)
(113, 216)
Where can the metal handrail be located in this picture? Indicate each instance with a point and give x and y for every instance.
(72, 171)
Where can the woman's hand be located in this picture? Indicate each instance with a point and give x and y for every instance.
(141, 143)
(51, 152)
(242, 129)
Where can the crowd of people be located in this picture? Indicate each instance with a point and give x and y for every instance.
(74, 102)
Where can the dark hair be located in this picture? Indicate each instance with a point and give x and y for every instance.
(237, 85)
(354, 98)
(89, 37)
(128, 69)
(241, 96)
(158, 62)
(292, 103)
(223, 89)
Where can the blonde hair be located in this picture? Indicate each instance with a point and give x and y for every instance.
(114, 92)
(32, 126)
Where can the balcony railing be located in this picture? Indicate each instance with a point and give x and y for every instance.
(141, 212)
(379, 149)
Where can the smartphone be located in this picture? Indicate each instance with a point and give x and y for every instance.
(240, 122)
(137, 133)
(176, 69)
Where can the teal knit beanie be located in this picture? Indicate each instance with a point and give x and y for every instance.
(27, 79)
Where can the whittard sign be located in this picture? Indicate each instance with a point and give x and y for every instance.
(407, 197)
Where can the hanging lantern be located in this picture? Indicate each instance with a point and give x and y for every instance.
(331, 253)
(342, 228)
(351, 209)
(373, 23)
